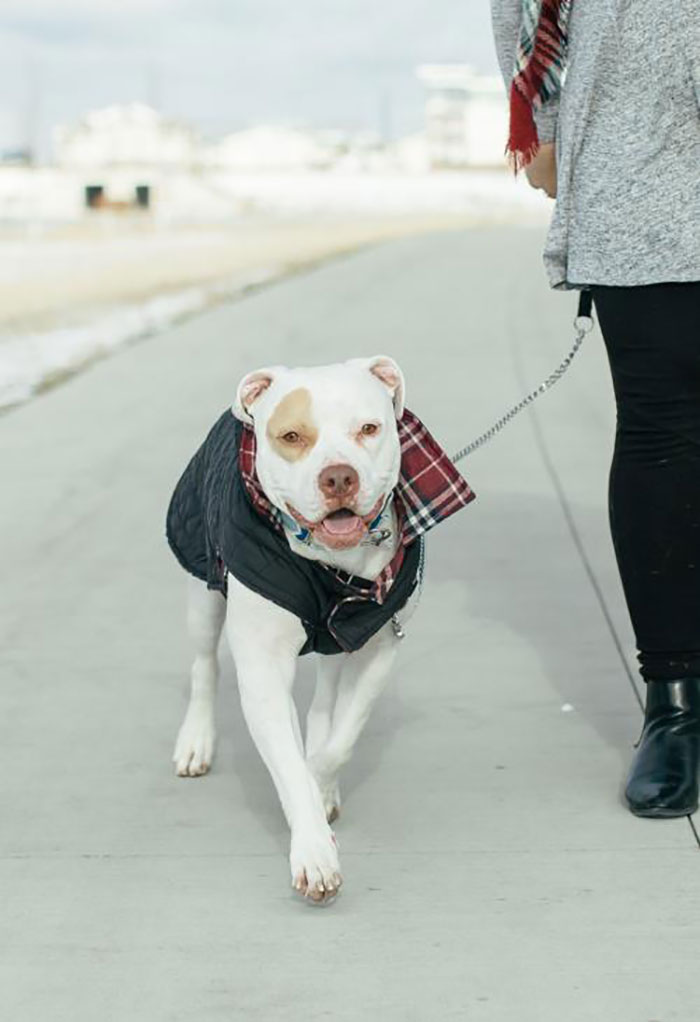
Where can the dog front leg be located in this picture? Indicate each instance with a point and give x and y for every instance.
(320, 715)
(363, 679)
(194, 747)
(320, 718)
(265, 641)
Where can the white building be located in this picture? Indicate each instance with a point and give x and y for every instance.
(120, 153)
(270, 149)
(130, 135)
(466, 117)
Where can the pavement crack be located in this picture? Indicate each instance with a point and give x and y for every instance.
(555, 479)
(694, 829)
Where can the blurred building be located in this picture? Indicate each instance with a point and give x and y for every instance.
(121, 152)
(130, 164)
(270, 148)
(126, 135)
(466, 117)
(15, 158)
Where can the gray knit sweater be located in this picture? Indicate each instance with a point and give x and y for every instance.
(627, 131)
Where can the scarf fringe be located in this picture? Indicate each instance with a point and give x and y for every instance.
(523, 143)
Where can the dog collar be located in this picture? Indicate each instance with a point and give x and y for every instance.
(376, 535)
(374, 524)
(302, 535)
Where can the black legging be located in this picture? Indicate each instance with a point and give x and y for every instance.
(652, 334)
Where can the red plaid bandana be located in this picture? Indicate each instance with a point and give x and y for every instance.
(429, 490)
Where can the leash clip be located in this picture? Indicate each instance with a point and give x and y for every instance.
(584, 314)
(396, 625)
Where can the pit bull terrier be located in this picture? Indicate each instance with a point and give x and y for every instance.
(301, 519)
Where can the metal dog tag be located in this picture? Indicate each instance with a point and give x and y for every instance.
(398, 630)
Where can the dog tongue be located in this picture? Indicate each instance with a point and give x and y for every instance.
(340, 523)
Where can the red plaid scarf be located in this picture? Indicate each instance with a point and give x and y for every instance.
(539, 67)
(429, 489)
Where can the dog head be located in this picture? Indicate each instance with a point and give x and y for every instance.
(328, 451)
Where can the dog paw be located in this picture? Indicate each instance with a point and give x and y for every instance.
(315, 866)
(330, 793)
(328, 786)
(194, 748)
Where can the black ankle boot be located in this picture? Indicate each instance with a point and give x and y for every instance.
(663, 780)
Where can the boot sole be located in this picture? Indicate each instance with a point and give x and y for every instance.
(661, 812)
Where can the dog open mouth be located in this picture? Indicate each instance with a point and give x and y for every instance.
(339, 529)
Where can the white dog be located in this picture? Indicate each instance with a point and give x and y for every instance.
(306, 509)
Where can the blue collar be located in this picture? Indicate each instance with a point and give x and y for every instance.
(304, 535)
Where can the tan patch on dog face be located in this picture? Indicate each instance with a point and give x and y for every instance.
(291, 429)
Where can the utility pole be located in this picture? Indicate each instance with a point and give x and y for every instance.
(386, 126)
(152, 81)
(32, 111)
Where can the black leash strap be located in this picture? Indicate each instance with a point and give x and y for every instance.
(585, 304)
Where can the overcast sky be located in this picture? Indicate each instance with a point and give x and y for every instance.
(226, 64)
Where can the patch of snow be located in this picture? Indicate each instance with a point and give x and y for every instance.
(29, 362)
(365, 182)
(493, 196)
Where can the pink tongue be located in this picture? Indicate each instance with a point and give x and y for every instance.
(343, 525)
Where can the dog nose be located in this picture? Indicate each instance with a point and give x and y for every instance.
(339, 481)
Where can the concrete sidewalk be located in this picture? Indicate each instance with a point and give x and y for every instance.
(491, 873)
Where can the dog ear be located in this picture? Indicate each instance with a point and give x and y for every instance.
(387, 372)
(249, 390)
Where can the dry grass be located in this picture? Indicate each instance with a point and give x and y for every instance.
(48, 279)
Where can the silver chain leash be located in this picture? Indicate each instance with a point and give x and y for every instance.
(583, 324)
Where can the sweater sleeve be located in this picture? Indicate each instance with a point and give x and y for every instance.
(506, 17)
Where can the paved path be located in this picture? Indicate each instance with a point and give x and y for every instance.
(491, 872)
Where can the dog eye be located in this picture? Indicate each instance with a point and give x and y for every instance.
(292, 437)
(370, 428)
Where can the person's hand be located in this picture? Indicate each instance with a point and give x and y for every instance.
(542, 170)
